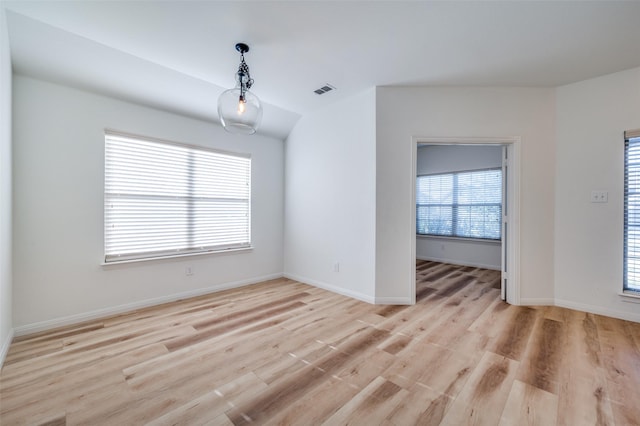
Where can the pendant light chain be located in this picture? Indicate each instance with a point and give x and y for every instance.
(243, 70)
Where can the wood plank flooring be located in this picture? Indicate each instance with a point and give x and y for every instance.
(282, 352)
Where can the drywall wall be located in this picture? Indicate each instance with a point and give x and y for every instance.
(6, 322)
(58, 208)
(432, 159)
(591, 118)
(330, 198)
(403, 113)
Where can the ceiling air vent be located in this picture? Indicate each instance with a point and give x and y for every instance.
(324, 89)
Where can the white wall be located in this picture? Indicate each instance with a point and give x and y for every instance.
(452, 158)
(58, 208)
(592, 116)
(464, 112)
(330, 198)
(6, 322)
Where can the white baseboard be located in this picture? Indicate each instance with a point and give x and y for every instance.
(106, 312)
(628, 316)
(393, 301)
(457, 262)
(332, 288)
(115, 310)
(537, 302)
(4, 349)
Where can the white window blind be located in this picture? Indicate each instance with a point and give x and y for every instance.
(462, 204)
(632, 211)
(164, 199)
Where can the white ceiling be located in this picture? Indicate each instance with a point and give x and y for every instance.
(179, 55)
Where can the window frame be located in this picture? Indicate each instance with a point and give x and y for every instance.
(455, 207)
(630, 138)
(189, 200)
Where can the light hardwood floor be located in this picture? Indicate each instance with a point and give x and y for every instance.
(282, 352)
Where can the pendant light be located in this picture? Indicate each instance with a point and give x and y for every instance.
(240, 110)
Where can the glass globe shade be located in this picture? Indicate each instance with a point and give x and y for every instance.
(237, 116)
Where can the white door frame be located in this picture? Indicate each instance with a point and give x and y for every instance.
(513, 206)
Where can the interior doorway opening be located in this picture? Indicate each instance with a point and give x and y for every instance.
(443, 162)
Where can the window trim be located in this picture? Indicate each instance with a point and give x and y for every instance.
(459, 237)
(626, 290)
(176, 256)
(167, 254)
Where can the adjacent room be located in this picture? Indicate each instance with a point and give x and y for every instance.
(311, 212)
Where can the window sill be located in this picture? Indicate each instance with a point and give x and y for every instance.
(630, 296)
(176, 256)
(461, 239)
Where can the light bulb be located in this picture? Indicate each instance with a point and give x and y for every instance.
(241, 106)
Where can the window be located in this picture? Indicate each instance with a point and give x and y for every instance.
(632, 211)
(163, 199)
(462, 204)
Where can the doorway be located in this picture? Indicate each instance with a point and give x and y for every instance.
(507, 250)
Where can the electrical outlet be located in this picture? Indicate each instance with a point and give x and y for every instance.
(599, 196)
(336, 267)
(188, 270)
